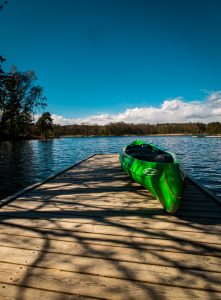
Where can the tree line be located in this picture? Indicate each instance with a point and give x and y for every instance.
(121, 128)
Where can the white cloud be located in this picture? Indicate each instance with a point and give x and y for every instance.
(171, 111)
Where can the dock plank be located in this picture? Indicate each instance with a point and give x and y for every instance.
(92, 232)
(118, 240)
(148, 272)
(103, 252)
(79, 223)
(128, 231)
(98, 287)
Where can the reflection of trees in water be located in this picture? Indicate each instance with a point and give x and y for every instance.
(16, 166)
(23, 163)
(44, 157)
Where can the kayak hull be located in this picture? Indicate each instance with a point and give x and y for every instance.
(166, 181)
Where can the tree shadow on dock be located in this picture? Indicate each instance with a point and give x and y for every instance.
(73, 240)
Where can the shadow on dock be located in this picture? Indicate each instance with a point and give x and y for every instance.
(97, 234)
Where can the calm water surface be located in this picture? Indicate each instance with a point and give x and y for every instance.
(25, 162)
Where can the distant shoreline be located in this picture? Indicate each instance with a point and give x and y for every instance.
(125, 135)
(105, 136)
(213, 136)
(134, 135)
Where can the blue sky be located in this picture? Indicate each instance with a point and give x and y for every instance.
(105, 57)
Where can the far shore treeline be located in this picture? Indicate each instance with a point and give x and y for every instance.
(121, 128)
(20, 97)
(45, 128)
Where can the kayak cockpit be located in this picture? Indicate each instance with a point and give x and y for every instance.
(146, 152)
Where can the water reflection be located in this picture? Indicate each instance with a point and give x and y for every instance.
(44, 157)
(25, 162)
(16, 166)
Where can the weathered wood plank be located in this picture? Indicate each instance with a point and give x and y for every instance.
(143, 272)
(119, 241)
(102, 252)
(62, 204)
(100, 287)
(135, 213)
(191, 222)
(106, 202)
(213, 238)
(194, 222)
(19, 292)
(143, 225)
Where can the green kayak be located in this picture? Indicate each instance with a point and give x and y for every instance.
(157, 170)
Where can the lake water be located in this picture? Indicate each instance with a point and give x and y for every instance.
(23, 163)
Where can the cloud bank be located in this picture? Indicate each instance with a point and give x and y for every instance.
(170, 111)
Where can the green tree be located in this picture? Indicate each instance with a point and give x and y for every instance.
(24, 123)
(19, 97)
(213, 128)
(200, 127)
(45, 124)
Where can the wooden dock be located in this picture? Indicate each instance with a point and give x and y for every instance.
(92, 233)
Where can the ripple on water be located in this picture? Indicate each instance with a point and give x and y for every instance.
(24, 162)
